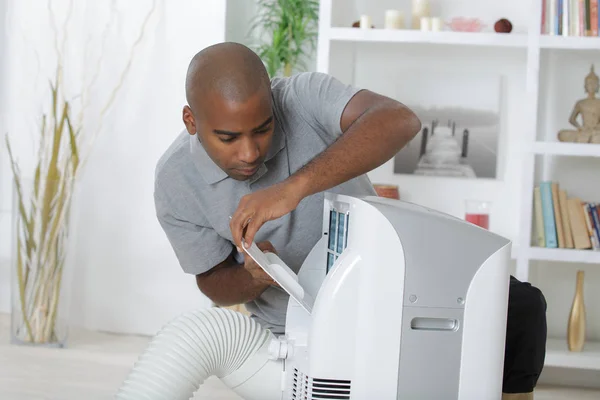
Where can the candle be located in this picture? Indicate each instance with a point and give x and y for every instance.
(394, 19)
(436, 24)
(420, 8)
(425, 23)
(365, 22)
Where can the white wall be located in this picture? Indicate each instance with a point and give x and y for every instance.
(126, 277)
(4, 231)
(239, 18)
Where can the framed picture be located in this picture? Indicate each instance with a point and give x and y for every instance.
(460, 116)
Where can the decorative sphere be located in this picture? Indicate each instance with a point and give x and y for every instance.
(503, 26)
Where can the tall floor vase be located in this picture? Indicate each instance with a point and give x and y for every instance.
(40, 288)
(577, 322)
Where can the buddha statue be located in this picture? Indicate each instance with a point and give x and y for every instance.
(589, 108)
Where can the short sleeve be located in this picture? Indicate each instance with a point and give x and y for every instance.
(198, 248)
(322, 100)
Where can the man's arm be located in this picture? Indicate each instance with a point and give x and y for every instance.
(230, 283)
(374, 129)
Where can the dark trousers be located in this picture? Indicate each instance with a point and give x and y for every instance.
(526, 333)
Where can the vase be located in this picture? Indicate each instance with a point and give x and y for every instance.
(41, 246)
(576, 326)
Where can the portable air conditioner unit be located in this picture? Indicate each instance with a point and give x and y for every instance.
(395, 301)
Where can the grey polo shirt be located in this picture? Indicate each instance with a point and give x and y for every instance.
(194, 197)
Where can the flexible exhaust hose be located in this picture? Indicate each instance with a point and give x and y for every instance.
(200, 344)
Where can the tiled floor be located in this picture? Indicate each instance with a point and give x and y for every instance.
(95, 365)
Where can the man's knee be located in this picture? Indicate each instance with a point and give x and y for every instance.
(527, 315)
(525, 337)
(526, 303)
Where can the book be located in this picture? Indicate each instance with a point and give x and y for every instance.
(581, 238)
(548, 214)
(539, 218)
(560, 234)
(564, 221)
(564, 212)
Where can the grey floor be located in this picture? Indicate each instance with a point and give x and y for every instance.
(95, 364)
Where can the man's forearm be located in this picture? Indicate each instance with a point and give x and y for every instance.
(231, 284)
(372, 140)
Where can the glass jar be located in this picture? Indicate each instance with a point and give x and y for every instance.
(478, 212)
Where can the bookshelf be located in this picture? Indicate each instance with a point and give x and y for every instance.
(540, 41)
(338, 45)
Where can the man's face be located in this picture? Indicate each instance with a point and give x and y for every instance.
(236, 136)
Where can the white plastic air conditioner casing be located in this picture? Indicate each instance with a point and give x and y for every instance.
(414, 306)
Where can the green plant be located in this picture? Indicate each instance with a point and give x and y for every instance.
(287, 31)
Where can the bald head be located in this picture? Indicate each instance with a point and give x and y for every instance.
(230, 108)
(230, 71)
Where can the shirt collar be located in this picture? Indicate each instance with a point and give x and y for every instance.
(212, 173)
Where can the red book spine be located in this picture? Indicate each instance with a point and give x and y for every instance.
(544, 26)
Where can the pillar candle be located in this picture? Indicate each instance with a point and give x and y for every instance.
(420, 8)
(436, 24)
(365, 22)
(425, 24)
(394, 19)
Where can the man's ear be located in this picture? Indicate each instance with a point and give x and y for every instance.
(189, 121)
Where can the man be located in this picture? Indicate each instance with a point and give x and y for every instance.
(253, 164)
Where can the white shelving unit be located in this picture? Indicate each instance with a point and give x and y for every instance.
(569, 43)
(414, 36)
(563, 255)
(566, 149)
(558, 355)
(532, 43)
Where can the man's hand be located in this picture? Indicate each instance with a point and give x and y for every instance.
(265, 205)
(257, 273)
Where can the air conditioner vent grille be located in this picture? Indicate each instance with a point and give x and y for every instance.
(307, 388)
